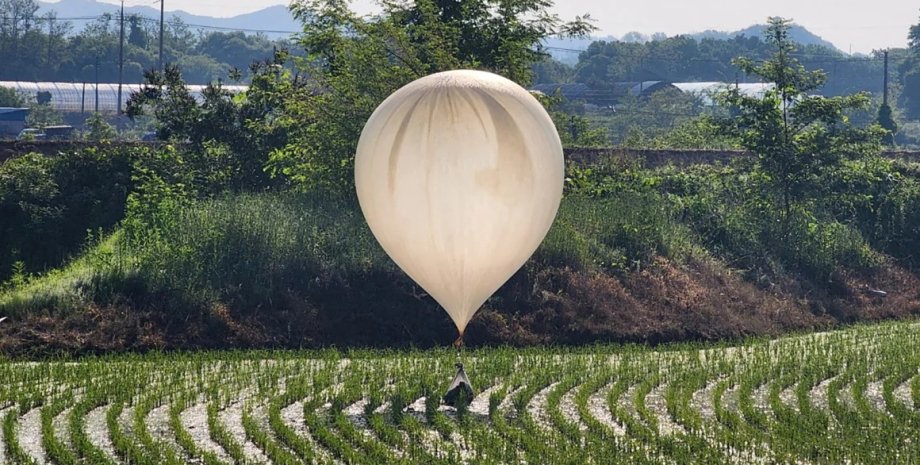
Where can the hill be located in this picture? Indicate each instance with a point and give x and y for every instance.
(567, 50)
(799, 34)
(276, 18)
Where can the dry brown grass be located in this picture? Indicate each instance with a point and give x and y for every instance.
(663, 302)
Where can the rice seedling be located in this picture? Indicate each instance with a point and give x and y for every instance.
(844, 396)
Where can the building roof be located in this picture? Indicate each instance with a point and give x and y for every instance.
(602, 96)
(707, 90)
(76, 97)
(13, 114)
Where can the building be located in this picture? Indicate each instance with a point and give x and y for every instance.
(706, 91)
(12, 121)
(79, 97)
(612, 94)
(606, 97)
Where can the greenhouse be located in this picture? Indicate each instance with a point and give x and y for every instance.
(79, 97)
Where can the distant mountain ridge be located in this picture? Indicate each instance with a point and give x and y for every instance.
(797, 33)
(279, 20)
(567, 50)
(275, 18)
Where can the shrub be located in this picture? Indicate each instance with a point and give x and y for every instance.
(254, 248)
(49, 203)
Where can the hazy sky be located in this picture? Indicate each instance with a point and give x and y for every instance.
(860, 25)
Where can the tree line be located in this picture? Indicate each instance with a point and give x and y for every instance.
(44, 47)
(687, 59)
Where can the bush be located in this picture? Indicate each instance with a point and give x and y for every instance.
(614, 233)
(49, 203)
(253, 249)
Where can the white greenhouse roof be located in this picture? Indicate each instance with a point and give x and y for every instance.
(76, 97)
(706, 90)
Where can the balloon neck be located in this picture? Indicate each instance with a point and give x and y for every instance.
(459, 342)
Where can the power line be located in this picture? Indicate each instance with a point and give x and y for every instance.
(157, 21)
(223, 28)
(39, 19)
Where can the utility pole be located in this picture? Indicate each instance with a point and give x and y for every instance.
(885, 90)
(50, 35)
(162, 28)
(121, 55)
(97, 83)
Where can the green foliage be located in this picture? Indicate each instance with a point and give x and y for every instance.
(886, 121)
(911, 93)
(356, 62)
(230, 134)
(42, 115)
(98, 129)
(164, 184)
(249, 248)
(693, 134)
(913, 37)
(45, 48)
(685, 59)
(550, 71)
(11, 98)
(614, 233)
(636, 120)
(799, 139)
(29, 196)
(575, 130)
(48, 203)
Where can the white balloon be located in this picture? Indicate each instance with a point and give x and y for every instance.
(459, 175)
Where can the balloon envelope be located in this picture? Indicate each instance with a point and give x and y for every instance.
(459, 175)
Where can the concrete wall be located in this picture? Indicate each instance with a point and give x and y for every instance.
(649, 158)
(653, 158)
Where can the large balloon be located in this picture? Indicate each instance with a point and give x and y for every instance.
(459, 175)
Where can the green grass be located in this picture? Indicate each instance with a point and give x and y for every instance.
(253, 249)
(85, 278)
(564, 427)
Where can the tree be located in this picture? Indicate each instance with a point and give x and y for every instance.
(11, 98)
(228, 135)
(911, 93)
(886, 121)
(799, 139)
(136, 35)
(913, 37)
(355, 62)
(42, 115)
(235, 49)
(20, 31)
(98, 129)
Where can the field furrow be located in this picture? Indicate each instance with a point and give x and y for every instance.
(30, 436)
(195, 421)
(231, 418)
(98, 433)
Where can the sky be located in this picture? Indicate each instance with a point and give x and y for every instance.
(852, 25)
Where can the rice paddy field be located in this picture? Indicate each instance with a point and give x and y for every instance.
(845, 397)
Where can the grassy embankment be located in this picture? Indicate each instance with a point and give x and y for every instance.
(636, 254)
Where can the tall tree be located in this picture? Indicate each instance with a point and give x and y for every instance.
(913, 37)
(354, 63)
(799, 139)
(18, 23)
(885, 119)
